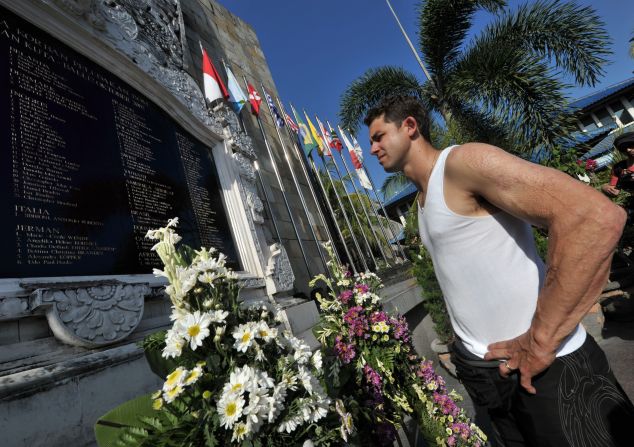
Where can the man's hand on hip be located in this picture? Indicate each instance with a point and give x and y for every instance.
(521, 354)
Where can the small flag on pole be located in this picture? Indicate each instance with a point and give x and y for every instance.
(279, 121)
(212, 83)
(308, 143)
(313, 131)
(289, 121)
(254, 99)
(356, 156)
(237, 98)
(335, 142)
(326, 137)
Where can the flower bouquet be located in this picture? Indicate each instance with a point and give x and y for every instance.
(231, 375)
(373, 369)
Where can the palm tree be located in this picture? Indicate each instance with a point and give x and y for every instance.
(504, 86)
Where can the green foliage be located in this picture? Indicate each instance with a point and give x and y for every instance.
(505, 86)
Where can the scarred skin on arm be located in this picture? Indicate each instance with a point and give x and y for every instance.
(583, 230)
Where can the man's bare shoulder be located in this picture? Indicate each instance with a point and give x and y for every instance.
(471, 161)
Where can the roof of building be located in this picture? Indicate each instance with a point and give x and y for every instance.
(403, 194)
(585, 137)
(593, 98)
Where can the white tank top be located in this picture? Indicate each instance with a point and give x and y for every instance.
(488, 269)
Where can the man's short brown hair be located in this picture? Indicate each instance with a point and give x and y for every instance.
(396, 108)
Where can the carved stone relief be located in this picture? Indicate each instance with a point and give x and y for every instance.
(279, 268)
(92, 316)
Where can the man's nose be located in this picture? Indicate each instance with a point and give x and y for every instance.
(374, 148)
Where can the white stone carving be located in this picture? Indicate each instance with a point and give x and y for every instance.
(279, 268)
(94, 315)
(11, 307)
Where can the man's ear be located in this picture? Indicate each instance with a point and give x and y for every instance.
(410, 125)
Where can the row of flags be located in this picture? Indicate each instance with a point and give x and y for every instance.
(323, 140)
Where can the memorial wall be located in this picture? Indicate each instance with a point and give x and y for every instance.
(88, 165)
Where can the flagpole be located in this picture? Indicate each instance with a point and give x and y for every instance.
(302, 161)
(354, 211)
(343, 210)
(409, 42)
(365, 211)
(400, 248)
(240, 120)
(257, 173)
(385, 236)
(299, 190)
(279, 181)
(373, 188)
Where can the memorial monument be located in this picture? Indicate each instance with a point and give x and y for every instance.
(106, 135)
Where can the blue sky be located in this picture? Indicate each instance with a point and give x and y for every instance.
(316, 48)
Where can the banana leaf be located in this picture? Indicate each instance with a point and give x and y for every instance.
(110, 426)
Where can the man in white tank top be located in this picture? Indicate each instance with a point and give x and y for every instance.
(550, 383)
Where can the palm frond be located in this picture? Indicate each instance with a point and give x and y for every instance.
(443, 25)
(571, 36)
(374, 84)
(393, 184)
(513, 87)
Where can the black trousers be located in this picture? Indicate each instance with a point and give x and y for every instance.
(579, 402)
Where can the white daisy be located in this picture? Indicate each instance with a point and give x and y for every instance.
(172, 393)
(230, 409)
(175, 378)
(316, 360)
(174, 344)
(239, 380)
(264, 332)
(195, 328)
(289, 425)
(240, 431)
(218, 316)
(193, 376)
(244, 335)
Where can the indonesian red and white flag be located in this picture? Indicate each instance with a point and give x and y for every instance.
(356, 155)
(213, 85)
(254, 99)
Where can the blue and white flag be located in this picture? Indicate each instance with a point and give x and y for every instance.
(237, 98)
(279, 121)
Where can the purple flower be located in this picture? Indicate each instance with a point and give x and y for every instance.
(345, 351)
(378, 316)
(446, 405)
(357, 323)
(345, 296)
(374, 381)
(401, 329)
(361, 288)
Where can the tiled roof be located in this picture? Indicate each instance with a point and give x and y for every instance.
(589, 100)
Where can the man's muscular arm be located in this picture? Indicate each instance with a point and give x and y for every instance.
(583, 230)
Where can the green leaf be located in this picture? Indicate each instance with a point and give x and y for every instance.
(110, 426)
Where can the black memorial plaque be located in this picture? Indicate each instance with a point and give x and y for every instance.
(88, 165)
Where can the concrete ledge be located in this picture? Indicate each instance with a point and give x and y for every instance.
(401, 297)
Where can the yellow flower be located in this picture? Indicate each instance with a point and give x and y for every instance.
(157, 404)
(206, 394)
(380, 327)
